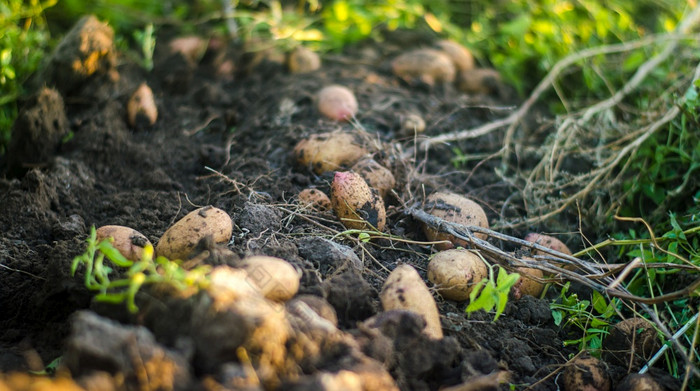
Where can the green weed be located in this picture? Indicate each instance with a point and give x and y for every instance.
(490, 292)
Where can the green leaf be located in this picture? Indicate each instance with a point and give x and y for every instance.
(599, 303)
(558, 316)
(113, 254)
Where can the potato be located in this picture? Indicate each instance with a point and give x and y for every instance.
(141, 107)
(303, 60)
(128, 241)
(377, 176)
(547, 241)
(633, 334)
(460, 56)
(404, 289)
(315, 199)
(337, 103)
(329, 151)
(355, 203)
(585, 373)
(455, 272)
(639, 382)
(277, 279)
(457, 209)
(527, 284)
(412, 124)
(427, 65)
(180, 239)
(479, 81)
(191, 47)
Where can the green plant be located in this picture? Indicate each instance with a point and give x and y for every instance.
(590, 317)
(490, 292)
(131, 276)
(24, 38)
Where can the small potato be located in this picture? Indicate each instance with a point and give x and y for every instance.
(357, 206)
(180, 239)
(456, 209)
(455, 272)
(631, 335)
(315, 199)
(191, 47)
(141, 108)
(460, 56)
(427, 65)
(412, 124)
(337, 103)
(277, 279)
(479, 81)
(585, 373)
(528, 283)
(377, 176)
(128, 241)
(329, 151)
(303, 60)
(404, 289)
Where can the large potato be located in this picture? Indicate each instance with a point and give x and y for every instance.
(277, 279)
(329, 151)
(337, 102)
(427, 65)
(128, 241)
(456, 209)
(357, 206)
(404, 289)
(529, 283)
(633, 339)
(460, 56)
(455, 272)
(377, 176)
(180, 239)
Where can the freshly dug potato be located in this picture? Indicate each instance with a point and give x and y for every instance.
(303, 60)
(128, 241)
(355, 203)
(585, 374)
(404, 289)
(277, 279)
(180, 239)
(317, 304)
(547, 241)
(479, 81)
(427, 65)
(315, 199)
(191, 47)
(377, 176)
(412, 124)
(141, 107)
(329, 151)
(527, 284)
(639, 382)
(337, 103)
(457, 209)
(631, 339)
(460, 56)
(455, 272)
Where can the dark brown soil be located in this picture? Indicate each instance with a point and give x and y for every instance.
(228, 143)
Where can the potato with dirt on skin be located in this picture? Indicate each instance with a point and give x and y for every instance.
(314, 199)
(377, 176)
(412, 124)
(455, 209)
(427, 65)
(277, 279)
(180, 239)
(337, 103)
(547, 241)
(639, 382)
(455, 272)
(631, 335)
(355, 203)
(141, 108)
(528, 283)
(460, 56)
(404, 289)
(585, 374)
(303, 60)
(329, 151)
(128, 241)
(482, 81)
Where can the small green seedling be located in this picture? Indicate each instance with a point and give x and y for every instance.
(488, 294)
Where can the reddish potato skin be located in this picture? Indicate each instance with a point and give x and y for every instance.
(528, 284)
(128, 241)
(337, 103)
(547, 241)
(457, 209)
(352, 199)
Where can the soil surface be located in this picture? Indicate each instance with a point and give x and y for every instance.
(227, 139)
